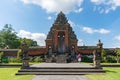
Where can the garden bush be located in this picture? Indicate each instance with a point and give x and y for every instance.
(85, 58)
(15, 60)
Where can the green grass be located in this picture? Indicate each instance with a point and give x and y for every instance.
(9, 74)
(111, 74)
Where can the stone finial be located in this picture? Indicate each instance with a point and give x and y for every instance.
(99, 45)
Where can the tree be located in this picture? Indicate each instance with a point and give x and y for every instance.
(8, 37)
(117, 51)
(104, 55)
(1, 55)
(29, 42)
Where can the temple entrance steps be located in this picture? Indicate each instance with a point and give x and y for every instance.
(60, 69)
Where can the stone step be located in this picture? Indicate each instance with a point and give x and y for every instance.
(57, 73)
(61, 70)
(62, 67)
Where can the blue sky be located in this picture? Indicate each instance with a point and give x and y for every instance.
(90, 19)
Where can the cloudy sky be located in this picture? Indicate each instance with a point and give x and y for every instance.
(90, 19)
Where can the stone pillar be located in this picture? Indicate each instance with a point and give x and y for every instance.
(25, 57)
(25, 63)
(97, 55)
(96, 59)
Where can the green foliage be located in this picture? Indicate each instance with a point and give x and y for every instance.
(85, 58)
(36, 59)
(117, 51)
(104, 54)
(111, 59)
(19, 53)
(29, 42)
(15, 60)
(4, 60)
(1, 54)
(8, 37)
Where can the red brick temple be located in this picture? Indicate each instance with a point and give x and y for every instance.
(61, 38)
(61, 42)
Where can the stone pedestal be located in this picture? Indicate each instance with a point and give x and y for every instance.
(97, 63)
(25, 63)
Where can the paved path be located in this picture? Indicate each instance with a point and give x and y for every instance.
(62, 65)
(60, 77)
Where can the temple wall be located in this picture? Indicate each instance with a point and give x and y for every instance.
(31, 52)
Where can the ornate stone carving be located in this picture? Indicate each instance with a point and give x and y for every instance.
(25, 57)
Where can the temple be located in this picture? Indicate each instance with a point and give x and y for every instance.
(61, 44)
(61, 40)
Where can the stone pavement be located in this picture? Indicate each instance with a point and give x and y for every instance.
(60, 77)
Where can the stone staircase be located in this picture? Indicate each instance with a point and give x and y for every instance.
(60, 70)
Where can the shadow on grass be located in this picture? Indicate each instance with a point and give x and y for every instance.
(110, 71)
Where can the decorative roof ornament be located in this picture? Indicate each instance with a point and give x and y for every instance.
(100, 45)
(61, 19)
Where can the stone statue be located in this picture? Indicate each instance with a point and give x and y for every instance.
(25, 57)
(24, 49)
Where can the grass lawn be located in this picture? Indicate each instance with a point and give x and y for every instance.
(21, 63)
(9, 74)
(111, 74)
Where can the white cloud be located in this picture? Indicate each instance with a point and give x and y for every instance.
(117, 37)
(52, 6)
(49, 17)
(79, 10)
(88, 30)
(80, 42)
(108, 5)
(71, 23)
(39, 37)
(91, 31)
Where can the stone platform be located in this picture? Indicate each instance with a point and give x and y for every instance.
(60, 69)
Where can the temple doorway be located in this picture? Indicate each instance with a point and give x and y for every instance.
(61, 43)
